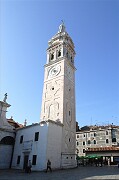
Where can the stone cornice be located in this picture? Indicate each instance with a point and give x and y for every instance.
(53, 122)
(58, 60)
(7, 130)
(5, 104)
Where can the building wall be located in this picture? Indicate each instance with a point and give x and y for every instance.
(99, 136)
(104, 153)
(31, 147)
(54, 145)
(47, 147)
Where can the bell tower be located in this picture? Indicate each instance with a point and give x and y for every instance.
(58, 101)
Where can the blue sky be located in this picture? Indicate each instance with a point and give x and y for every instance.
(26, 27)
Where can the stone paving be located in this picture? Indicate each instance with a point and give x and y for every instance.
(83, 173)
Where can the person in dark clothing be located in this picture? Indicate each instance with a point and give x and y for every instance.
(96, 162)
(48, 166)
(118, 164)
(29, 166)
(101, 161)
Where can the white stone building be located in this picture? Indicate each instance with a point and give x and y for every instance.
(38, 143)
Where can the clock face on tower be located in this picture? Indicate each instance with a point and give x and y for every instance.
(54, 71)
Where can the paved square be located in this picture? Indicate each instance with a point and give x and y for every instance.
(84, 173)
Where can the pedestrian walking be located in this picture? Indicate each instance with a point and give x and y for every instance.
(96, 162)
(118, 164)
(108, 161)
(29, 166)
(49, 166)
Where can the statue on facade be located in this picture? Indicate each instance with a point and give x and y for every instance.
(5, 98)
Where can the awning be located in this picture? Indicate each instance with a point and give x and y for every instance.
(88, 157)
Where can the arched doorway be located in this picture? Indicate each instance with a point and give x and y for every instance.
(7, 140)
(6, 151)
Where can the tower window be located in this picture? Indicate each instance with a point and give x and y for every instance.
(88, 141)
(52, 88)
(94, 141)
(69, 113)
(59, 53)
(77, 143)
(69, 139)
(52, 56)
(67, 54)
(71, 59)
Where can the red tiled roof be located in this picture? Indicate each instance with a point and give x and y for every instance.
(103, 149)
(97, 127)
(14, 124)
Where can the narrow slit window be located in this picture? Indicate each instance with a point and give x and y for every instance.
(34, 159)
(18, 159)
(21, 139)
(36, 136)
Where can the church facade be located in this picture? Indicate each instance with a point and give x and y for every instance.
(7, 137)
(54, 137)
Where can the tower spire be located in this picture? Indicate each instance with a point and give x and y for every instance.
(62, 27)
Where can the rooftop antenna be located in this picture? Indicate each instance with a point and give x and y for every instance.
(91, 121)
